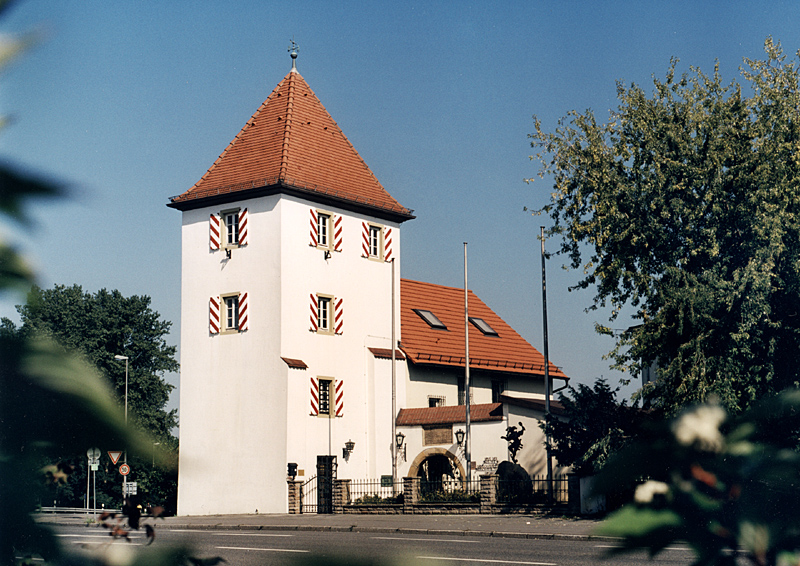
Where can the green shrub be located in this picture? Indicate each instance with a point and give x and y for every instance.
(457, 496)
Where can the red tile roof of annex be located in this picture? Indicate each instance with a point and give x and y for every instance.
(507, 352)
(451, 414)
(291, 140)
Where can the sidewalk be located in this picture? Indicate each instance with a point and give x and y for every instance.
(508, 526)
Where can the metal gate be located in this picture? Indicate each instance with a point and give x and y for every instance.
(308, 496)
(316, 495)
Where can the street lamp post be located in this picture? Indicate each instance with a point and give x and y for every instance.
(125, 477)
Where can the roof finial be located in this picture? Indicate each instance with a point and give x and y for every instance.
(293, 49)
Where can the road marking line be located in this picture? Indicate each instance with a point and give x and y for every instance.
(485, 560)
(103, 536)
(249, 535)
(428, 539)
(683, 548)
(262, 549)
(87, 543)
(224, 534)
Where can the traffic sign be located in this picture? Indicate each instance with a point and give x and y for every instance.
(93, 453)
(130, 487)
(124, 469)
(114, 455)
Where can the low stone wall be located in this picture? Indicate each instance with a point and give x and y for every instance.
(373, 509)
(411, 501)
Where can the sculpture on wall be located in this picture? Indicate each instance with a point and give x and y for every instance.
(514, 438)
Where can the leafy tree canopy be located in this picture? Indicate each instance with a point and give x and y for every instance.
(105, 324)
(685, 207)
(594, 426)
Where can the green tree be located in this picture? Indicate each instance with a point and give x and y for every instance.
(593, 426)
(725, 485)
(100, 326)
(103, 325)
(684, 207)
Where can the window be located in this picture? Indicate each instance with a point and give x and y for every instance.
(374, 241)
(228, 313)
(435, 401)
(462, 394)
(232, 228)
(432, 320)
(327, 397)
(325, 386)
(325, 232)
(228, 229)
(231, 320)
(498, 386)
(323, 314)
(483, 326)
(323, 229)
(326, 314)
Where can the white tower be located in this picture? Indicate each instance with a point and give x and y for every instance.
(285, 295)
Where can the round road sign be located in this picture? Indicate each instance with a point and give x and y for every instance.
(124, 469)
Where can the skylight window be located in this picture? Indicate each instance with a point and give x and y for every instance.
(431, 319)
(483, 326)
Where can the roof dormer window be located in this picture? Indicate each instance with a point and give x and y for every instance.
(483, 326)
(431, 319)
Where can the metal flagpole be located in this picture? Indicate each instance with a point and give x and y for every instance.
(466, 369)
(394, 393)
(546, 370)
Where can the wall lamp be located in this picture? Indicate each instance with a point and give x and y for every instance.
(460, 436)
(401, 449)
(349, 446)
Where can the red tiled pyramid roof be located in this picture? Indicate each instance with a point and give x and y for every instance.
(292, 141)
(506, 352)
(450, 415)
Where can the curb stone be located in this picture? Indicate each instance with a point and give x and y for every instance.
(384, 530)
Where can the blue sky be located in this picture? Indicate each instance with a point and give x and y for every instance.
(130, 103)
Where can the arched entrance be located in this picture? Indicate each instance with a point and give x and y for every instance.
(436, 464)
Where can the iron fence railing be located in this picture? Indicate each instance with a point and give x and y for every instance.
(532, 491)
(450, 491)
(376, 492)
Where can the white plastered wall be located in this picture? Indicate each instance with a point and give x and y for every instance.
(365, 287)
(233, 386)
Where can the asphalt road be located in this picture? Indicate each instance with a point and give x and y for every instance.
(248, 548)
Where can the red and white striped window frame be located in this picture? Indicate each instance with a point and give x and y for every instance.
(325, 230)
(228, 313)
(228, 229)
(327, 397)
(326, 314)
(376, 241)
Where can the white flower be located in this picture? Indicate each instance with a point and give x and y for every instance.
(701, 426)
(646, 491)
